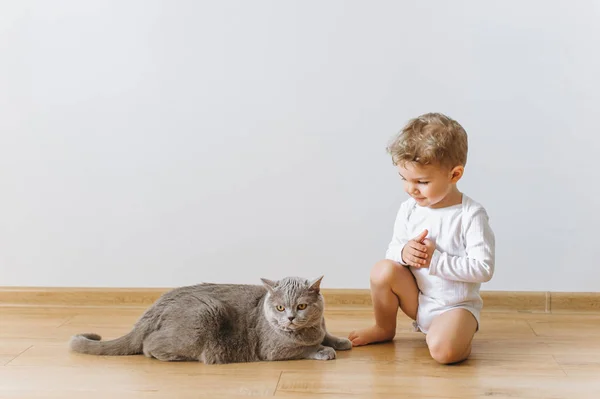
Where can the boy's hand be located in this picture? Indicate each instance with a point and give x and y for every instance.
(418, 251)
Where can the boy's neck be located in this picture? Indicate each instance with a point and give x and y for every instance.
(454, 197)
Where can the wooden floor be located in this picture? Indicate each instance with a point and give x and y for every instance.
(515, 355)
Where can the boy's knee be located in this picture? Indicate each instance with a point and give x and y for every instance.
(385, 271)
(444, 352)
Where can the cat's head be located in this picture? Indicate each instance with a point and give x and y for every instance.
(293, 303)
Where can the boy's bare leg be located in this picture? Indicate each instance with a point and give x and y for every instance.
(392, 286)
(450, 335)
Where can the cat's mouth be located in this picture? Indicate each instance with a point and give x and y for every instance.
(290, 326)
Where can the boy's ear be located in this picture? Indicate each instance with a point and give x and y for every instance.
(456, 173)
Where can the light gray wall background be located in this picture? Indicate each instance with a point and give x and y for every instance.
(163, 143)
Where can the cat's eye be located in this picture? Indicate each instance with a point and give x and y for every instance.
(280, 308)
(302, 306)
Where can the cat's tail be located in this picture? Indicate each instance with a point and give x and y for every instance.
(130, 344)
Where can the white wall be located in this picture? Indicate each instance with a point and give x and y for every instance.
(166, 143)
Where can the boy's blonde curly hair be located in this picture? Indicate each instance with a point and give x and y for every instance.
(428, 139)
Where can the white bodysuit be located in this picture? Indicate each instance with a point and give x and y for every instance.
(463, 258)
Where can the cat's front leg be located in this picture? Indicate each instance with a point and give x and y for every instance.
(321, 353)
(340, 344)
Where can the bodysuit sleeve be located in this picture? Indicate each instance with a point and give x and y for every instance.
(477, 266)
(400, 235)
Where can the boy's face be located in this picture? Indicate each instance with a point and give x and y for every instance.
(429, 185)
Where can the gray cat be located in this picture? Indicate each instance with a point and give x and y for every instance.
(220, 323)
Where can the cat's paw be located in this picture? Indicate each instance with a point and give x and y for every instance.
(325, 353)
(167, 357)
(342, 344)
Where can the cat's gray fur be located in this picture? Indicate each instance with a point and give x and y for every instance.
(226, 323)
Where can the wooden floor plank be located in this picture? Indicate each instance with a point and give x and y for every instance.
(425, 386)
(131, 379)
(580, 365)
(525, 355)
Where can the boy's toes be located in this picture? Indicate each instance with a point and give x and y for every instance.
(371, 335)
(358, 341)
(355, 339)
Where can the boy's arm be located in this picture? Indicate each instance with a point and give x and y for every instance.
(478, 264)
(400, 238)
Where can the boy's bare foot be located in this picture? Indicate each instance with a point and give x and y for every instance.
(370, 335)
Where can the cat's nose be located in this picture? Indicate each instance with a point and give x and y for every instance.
(291, 318)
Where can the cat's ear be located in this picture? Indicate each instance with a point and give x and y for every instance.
(269, 284)
(315, 285)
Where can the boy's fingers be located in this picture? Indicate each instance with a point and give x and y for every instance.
(421, 236)
(417, 246)
(418, 261)
(417, 254)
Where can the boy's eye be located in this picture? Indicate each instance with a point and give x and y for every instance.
(423, 182)
(280, 308)
(302, 306)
